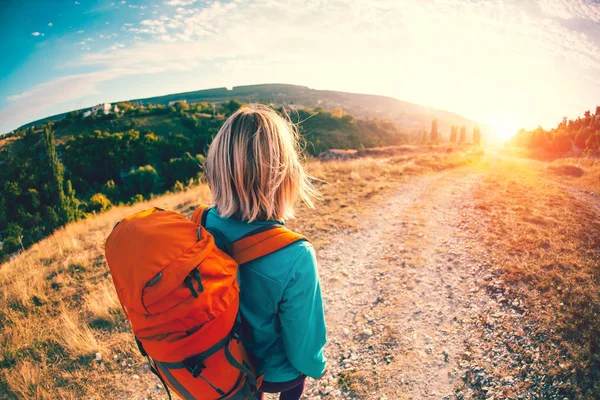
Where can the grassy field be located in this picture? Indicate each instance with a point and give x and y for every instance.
(543, 237)
(62, 333)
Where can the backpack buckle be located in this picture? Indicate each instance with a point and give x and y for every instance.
(194, 365)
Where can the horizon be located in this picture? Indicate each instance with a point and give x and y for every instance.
(501, 64)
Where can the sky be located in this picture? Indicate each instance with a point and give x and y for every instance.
(511, 64)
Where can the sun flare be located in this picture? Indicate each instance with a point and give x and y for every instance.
(503, 130)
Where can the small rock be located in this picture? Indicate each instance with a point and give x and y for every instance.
(98, 357)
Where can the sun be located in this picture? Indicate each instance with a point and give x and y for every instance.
(503, 130)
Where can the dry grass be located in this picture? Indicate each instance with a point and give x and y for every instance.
(586, 170)
(544, 239)
(58, 307)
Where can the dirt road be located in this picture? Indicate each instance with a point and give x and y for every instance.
(410, 304)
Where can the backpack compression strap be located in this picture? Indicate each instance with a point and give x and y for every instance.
(258, 243)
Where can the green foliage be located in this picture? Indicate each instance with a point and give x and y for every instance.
(178, 187)
(111, 190)
(143, 180)
(12, 238)
(232, 106)
(322, 131)
(98, 203)
(583, 133)
(36, 198)
(136, 199)
(104, 160)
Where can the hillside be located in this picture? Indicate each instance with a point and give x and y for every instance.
(65, 171)
(408, 116)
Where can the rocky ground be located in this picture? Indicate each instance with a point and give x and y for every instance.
(414, 309)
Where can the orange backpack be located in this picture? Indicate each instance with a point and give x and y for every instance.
(181, 295)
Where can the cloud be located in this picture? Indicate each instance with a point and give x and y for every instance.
(50, 24)
(35, 33)
(413, 48)
(180, 2)
(571, 9)
(57, 91)
(80, 31)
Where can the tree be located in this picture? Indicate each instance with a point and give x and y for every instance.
(12, 238)
(593, 142)
(434, 131)
(143, 180)
(337, 112)
(463, 134)
(476, 136)
(453, 133)
(233, 106)
(55, 186)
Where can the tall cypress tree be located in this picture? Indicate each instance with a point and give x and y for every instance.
(55, 186)
(434, 131)
(453, 133)
(463, 134)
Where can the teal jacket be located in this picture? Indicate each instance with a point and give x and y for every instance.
(281, 305)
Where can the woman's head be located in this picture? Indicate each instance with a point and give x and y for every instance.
(253, 168)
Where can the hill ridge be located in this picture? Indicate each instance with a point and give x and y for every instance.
(411, 116)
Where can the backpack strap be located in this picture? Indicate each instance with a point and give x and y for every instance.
(199, 216)
(258, 243)
(263, 241)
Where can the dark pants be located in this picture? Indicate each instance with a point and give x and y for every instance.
(290, 390)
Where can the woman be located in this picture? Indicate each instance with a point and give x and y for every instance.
(255, 176)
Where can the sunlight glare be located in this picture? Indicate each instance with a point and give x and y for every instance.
(502, 130)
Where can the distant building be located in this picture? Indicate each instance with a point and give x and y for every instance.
(116, 109)
(87, 114)
(172, 103)
(104, 108)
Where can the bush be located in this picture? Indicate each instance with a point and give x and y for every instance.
(178, 187)
(136, 199)
(567, 170)
(143, 180)
(99, 202)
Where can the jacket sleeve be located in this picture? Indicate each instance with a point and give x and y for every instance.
(301, 316)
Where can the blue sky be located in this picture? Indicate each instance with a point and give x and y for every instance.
(508, 63)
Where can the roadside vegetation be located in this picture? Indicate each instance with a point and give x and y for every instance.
(543, 239)
(571, 137)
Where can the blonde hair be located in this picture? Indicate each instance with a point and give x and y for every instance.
(253, 168)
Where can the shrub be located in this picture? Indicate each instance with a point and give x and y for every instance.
(99, 202)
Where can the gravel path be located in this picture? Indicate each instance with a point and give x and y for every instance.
(405, 296)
